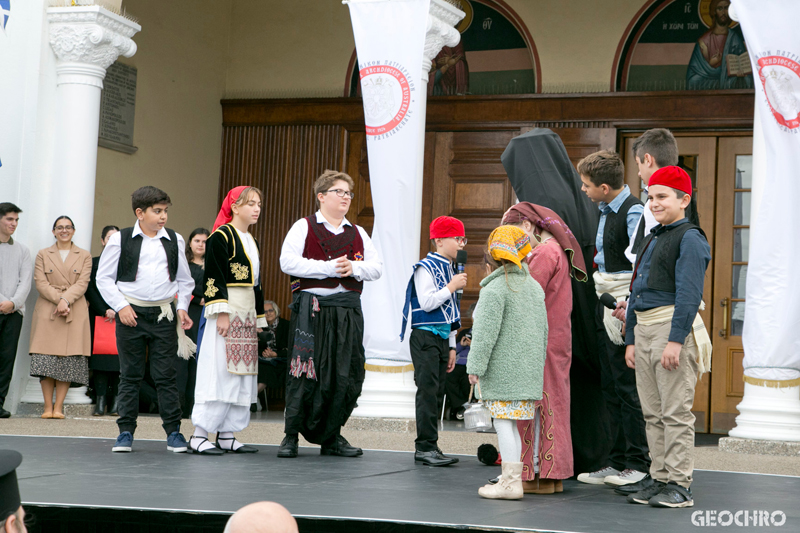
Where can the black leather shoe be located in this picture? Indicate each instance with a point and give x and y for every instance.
(288, 446)
(340, 447)
(112, 410)
(100, 406)
(4, 413)
(434, 458)
(253, 407)
(244, 448)
(196, 442)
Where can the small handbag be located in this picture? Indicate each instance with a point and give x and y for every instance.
(477, 417)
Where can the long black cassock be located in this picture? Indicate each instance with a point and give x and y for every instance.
(541, 172)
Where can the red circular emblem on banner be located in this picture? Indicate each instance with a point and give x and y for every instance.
(386, 97)
(781, 79)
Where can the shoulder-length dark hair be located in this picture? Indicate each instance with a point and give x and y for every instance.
(195, 233)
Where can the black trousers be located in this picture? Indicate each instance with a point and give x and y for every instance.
(457, 387)
(430, 354)
(158, 342)
(629, 441)
(186, 370)
(10, 327)
(318, 408)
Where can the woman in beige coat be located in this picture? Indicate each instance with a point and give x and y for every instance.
(60, 334)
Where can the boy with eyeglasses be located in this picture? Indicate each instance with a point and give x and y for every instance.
(435, 320)
(328, 260)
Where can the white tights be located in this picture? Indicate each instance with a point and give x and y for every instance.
(508, 439)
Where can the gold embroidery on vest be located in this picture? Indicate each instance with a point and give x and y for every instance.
(211, 290)
(240, 271)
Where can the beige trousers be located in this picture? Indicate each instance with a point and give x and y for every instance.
(667, 398)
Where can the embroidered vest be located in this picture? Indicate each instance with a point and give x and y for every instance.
(131, 247)
(615, 237)
(441, 271)
(323, 245)
(666, 250)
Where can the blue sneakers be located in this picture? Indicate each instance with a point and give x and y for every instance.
(124, 442)
(176, 443)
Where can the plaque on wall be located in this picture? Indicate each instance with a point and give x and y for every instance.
(117, 107)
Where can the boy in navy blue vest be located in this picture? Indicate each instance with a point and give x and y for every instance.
(667, 344)
(141, 270)
(602, 174)
(435, 319)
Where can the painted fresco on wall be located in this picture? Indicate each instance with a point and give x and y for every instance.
(491, 58)
(691, 45)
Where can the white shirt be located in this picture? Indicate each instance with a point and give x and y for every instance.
(649, 223)
(294, 264)
(429, 297)
(152, 277)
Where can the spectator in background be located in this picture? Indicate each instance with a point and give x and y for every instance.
(187, 369)
(273, 348)
(457, 384)
(60, 333)
(104, 366)
(16, 271)
(261, 517)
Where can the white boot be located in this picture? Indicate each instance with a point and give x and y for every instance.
(509, 487)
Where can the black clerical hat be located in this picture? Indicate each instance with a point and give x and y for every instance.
(9, 490)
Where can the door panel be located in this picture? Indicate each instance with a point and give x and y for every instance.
(697, 155)
(731, 251)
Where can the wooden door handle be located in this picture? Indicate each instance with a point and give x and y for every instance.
(724, 331)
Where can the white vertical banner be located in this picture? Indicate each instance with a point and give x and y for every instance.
(771, 335)
(390, 41)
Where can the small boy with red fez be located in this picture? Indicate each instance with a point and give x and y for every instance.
(666, 342)
(435, 319)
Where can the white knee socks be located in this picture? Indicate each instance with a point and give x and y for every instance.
(509, 440)
(198, 436)
(227, 441)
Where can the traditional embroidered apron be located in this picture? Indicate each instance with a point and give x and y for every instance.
(241, 344)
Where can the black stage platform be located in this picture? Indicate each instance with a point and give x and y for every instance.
(78, 484)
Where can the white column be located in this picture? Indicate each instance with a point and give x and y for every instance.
(391, 394)
(86, 40)
(765, 413)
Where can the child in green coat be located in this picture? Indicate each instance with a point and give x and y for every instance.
(509, 343)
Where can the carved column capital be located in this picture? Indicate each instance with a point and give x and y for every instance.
(441, 32)
(87, 40)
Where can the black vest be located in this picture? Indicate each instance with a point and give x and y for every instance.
(131, 247)
(667, 249)
(615, 237)
(691, 216)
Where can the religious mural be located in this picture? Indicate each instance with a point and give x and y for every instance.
(491, 58)
(692, 45)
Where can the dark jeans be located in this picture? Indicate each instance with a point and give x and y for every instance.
(430, 354)
(158, 342)
(10, 327)
(629, 440)
(457, 386)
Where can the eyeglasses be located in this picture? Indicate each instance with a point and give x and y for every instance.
(461, 240)
(269, 311)
(341, 193)
(62, 228)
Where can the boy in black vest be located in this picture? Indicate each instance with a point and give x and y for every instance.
(328, 260)
(602, 174)
(666, 341)
(141, 269)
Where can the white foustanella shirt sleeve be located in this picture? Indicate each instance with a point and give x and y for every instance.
(371, 267)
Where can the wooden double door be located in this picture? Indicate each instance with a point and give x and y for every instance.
(464, 178)
(721, 170)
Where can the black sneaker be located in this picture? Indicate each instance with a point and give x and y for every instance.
(673, 495)
(643, 496)
(633, 488)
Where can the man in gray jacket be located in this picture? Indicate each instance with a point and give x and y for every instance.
(16, 270)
